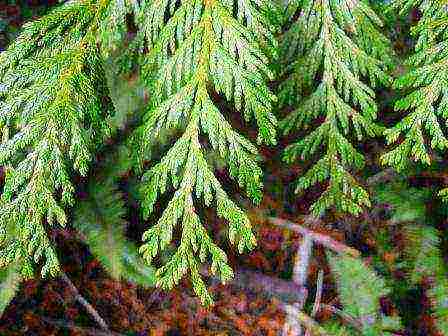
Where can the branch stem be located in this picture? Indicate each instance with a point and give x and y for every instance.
(318, 238)
(87, 306)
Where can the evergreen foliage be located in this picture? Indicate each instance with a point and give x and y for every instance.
(407, 203)
(51, 108)
(421, 259)
(65, 107)
(56, 111)
(205, 47)
(335, 56)
(426, 82)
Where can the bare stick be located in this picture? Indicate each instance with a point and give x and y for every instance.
(88, 307)
(300, 274)
(319, 238)
(257, 282)
(319, 286)
(302, 262)
(317, 299)
(283, 289)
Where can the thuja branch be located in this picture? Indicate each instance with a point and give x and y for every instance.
(224, 48)
(52, 94)
(421, 129)
(334, 50)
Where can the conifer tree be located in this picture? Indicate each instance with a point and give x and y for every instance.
(336, 55)
(426, 81)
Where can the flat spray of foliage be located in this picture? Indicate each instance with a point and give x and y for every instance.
(335, 55)
(426, 82)
(51, 109)
(206, 47)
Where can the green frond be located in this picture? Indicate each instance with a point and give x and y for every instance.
(422, 254)
(337, 43)
(407, 203)
(102, 225)
(127, 97)
(203, 48)
(10, 280)
(100, 220)
(54, 112)
(360, 290)
(421, 130)
(425, 261)
(51, 89)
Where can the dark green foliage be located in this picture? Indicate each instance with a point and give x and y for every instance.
(421, 259)
(408, 204)
(100, 220)
(425, 262)
(360, 291)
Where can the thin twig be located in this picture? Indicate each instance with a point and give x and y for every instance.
(302, 262)
(319, 238)
(300, 270)
(317, 299)
(284, 290)
(344, 316)
(319, 286)
(300, 274)
(88, 307)
(305, 320)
